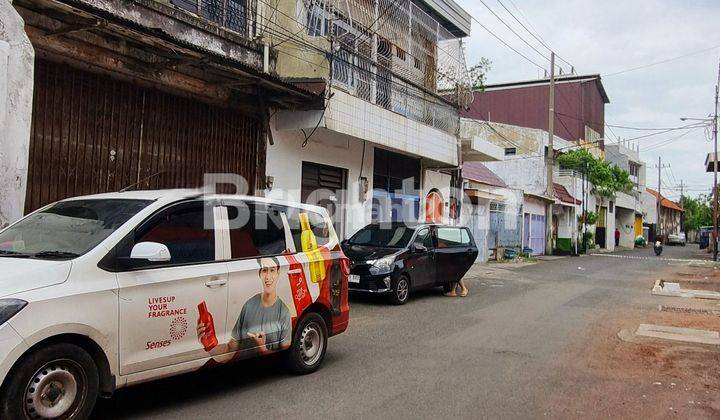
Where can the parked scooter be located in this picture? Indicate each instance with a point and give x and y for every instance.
(658, 248)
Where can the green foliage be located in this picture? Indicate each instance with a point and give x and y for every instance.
(590, 217)
(478, 73)
(607, 179)
(698, 211)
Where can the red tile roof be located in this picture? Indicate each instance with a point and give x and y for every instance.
(664, 201)
(563, 195)
(476, 171)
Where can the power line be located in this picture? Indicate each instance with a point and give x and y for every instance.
(513, 31)
(662, 61)
(538, 39)
(507, 45)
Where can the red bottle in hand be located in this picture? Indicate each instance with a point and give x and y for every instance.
(209, 339)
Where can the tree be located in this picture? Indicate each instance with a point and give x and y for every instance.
(607, 179)
(478, 73)
(698, 211)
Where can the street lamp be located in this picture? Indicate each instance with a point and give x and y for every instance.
(714, 121)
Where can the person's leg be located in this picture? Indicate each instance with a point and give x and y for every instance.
(463, 290)
(453, 290)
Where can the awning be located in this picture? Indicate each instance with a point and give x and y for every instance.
(476, 194)
(539, 197)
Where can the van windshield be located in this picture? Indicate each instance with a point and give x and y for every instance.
(67, 229)
(395, 236)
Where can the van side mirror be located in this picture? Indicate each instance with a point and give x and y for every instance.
(418, 248)
(150, 251)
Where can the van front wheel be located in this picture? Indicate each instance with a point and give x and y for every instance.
(57, 381)
(309, 344)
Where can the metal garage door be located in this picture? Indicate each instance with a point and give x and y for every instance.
(92, 134)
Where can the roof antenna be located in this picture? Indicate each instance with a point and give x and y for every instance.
(142, 180)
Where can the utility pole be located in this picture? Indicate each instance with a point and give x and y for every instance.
(550, 156)
(715, 172)
(659, 202)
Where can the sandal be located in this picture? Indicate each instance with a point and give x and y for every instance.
(450, 294)
(464, 293)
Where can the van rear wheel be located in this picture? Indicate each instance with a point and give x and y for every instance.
(57, 381)
(309, 345)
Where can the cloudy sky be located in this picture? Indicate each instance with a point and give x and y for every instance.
(610, 36)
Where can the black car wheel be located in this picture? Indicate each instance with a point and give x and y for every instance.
(309, 344)
(400, 290)
(56, 381)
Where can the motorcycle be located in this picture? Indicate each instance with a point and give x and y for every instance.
(658, 248)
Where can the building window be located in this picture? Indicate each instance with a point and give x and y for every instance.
(510, 151)
(612, 207)
(634, 169)
(400, 53)
(496, 207)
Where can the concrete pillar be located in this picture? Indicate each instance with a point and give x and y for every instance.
(16, 89)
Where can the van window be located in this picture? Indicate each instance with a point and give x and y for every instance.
(255, 230)
(452, 237)
(181, 228)
(317, 225)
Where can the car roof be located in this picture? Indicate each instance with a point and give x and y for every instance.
(411, 225)
(171, 195)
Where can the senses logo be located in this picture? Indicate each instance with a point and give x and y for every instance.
(178, 328)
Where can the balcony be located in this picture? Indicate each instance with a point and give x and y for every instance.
(389, 53)
(237, 16)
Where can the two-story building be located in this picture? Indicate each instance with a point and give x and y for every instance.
(383, 146)
(147, 94)
(628, 206)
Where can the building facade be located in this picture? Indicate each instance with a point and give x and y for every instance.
(384, 144)
(147, 94)
(628, 206)
(670, 215)
(579, 106)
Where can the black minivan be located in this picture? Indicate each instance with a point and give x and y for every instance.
(398, 258)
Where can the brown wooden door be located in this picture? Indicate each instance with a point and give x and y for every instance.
(92, 133)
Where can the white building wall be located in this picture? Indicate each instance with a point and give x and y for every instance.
(625, 222)
(649, 207)
(16, 90)
(356, 117)
(347, 115)
(284, 163)
(566, 219)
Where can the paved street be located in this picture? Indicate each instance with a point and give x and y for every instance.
(502, 352)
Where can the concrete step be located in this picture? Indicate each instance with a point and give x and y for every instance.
(688, 335)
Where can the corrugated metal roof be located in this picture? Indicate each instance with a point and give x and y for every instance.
(477, 172)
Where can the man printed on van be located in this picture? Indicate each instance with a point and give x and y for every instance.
(264, 322)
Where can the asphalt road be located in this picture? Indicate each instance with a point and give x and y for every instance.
(489, 355)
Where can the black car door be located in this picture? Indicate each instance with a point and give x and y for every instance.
(455, 251)
(420, 261)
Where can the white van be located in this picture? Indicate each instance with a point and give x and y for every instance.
(105, 291)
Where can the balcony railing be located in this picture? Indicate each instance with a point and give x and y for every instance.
(361, 78)
(238, 16)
